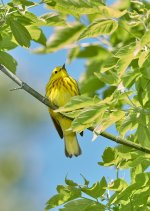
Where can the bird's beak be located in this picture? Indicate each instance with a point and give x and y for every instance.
(63, 67)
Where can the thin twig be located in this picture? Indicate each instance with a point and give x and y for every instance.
(45, 101)
(14, 89)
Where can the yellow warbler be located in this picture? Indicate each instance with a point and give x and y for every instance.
(60, 88)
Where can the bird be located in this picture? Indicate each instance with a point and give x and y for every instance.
(59, 90)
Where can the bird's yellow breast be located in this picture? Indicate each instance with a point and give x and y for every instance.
(61, 90)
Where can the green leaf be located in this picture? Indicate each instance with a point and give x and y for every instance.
(109, 64)
(8, 61)
(28, 19)
(20, 33)
(96, 206)
(145, 70)
(78, 102)
(37, 34)
(108, 78)
(109, 156)
(129, 124)
(110, 120)
(62, 38)
(90, 51)
(130, 77)
(72, 54)
(143, 57)
(141, 162)
(125, 50)
(6, 43)
(141, 181)
(84, 7)
(22, 2)
(123, 64)
(145, 39)
(136, 170)
(86, 182)
(143, 135)
(106, 12)
(117, 185)
(143, 178)
(90, 85)
(83, 205)
(143, 130)
(97, 189)
(99, 27)
(65, 194)
(126, 54)
(70, 182)
(87, 118)
(53, 19)
(75, 8)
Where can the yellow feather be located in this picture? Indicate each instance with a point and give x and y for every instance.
(60, 88)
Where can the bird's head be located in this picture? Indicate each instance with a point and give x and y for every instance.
(59, 72)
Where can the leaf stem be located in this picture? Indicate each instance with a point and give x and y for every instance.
(46, 102)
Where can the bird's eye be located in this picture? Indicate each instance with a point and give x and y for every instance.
(55, 72)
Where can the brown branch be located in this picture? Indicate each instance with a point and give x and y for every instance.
(45, 101)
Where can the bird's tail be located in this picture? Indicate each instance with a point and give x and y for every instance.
(72, 147)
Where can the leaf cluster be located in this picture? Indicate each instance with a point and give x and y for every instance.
(19, 27)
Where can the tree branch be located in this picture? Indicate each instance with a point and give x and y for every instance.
(45, 101)
(27, 88)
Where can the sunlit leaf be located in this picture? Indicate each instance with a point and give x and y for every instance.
(146, 38)
(97, 189)
(53, 19)
(134, 190)
(130, 77)
(72, 53)
(99, 27)
(83, 7)
(86, 87)
(8, 61)
(86, 182)
(62, 38)
(109, 156)
(70, 182)
(6, 43)
(110, 120)
(87, 118)
(66, 194)
(143, 57)
(20, 33)
(118, 185)
(75, 8)
(37, 34)
(107, 78)
(83, 204)
(78, 102)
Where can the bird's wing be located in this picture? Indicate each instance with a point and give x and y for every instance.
(77, 91)
(57, 126)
